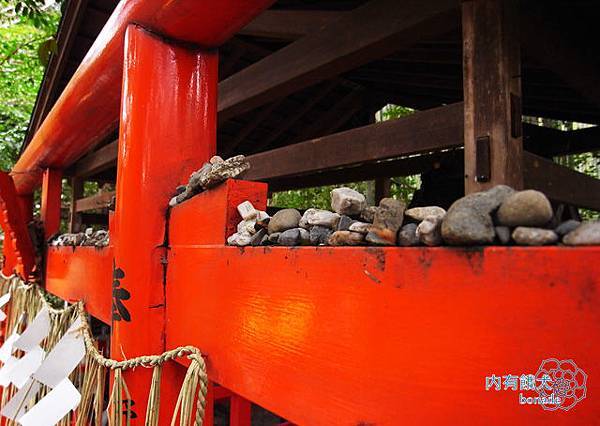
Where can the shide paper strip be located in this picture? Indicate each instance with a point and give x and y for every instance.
(54, 406)
(35, 332)
(18, 405)
(7, 348)
(26, 366)
(63, 358)
(6, 370)
(3, 301)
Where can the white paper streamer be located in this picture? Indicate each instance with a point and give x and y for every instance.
(35, 332)
(54, 406)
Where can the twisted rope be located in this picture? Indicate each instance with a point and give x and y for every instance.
(196, 376)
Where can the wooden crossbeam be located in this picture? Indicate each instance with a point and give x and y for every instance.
(423, 131)
(98, 201)
(550, 142)
(560, 183)
(96, 162)
(289, 24)
(372, 31)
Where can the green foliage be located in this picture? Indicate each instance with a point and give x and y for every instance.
(20, 75)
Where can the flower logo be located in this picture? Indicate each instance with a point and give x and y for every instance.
(565, 380)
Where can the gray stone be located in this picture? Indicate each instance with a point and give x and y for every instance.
(228, 169)
(274, 237)
(526, 236)
(525, 208)
(360, 227)
(259, 237)
(381, 237)
(389, 214)
(304, 237)
(346, 238)
(469, 221)
(318, 217)
(429, 231)
(283, 220)
(319, 235)
(587, 234)
(262, 219)
(420, 213)
(239, 239)
(407, 236)
(346, 201)
(503, 234)
(368, 214)
(291, 237)
(566, 227)
(344, 223)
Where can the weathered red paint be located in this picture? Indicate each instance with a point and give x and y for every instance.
(18, 250)
(51, 202)
(327, 336)
(82, 273)
(88, 108)
(214, 213)
(342, 335)
(168, 129)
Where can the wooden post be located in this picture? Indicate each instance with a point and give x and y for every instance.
(383, 188)
(76, 194)
(492, 93)
(167, 130)
(51, 190)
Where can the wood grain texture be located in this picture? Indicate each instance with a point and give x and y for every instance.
(491, 78)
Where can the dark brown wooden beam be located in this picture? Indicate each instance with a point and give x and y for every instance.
(98, 201)
(372, 31)
(424, 131)
(405, 166)
(560, 183)
(492, 94)
(96, 162)
(549, 142)
(289, 24)
(76, 193)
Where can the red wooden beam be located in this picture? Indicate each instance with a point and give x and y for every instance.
(348, 335)
(82, 273)
(91, 100)
(51, 202)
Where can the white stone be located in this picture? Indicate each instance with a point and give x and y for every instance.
(429, 231)
(247, 226)
(261, 215)
(240, 239)
(360, 227)
(318, 217)
(347, 201)
(246, 210)
(216, 160)
(420, 213)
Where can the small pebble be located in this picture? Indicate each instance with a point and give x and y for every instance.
(360, 227)
(319, 235)
(502, 234)
(283, 220)
(347, 201)
(420, 213)
(429, 231)
(346, 238)
(566, 227)
(407, 236)
(534, 236)
(587, 234)
(290, 237)
(344, 223)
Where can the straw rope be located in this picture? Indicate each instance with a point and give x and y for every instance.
(30, 298)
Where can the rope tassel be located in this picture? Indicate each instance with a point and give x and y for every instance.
(28, 300)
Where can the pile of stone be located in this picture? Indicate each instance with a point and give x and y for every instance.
(351, 222)
(499, 215)
(210, 175)
(90, 237)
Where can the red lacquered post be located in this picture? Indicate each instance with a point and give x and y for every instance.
(51, 190)
(168, 129)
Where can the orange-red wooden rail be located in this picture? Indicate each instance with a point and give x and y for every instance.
(88, 108)
(323, 335)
